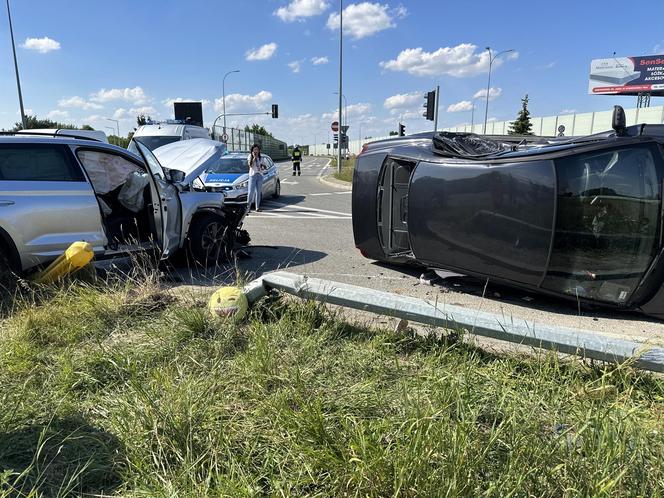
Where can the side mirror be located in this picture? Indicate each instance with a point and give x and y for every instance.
(619, 121)
(176, 176)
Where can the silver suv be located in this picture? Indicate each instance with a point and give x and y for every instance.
(58, 190)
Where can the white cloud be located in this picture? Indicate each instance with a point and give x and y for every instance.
(77, 102)
(134, 95)
(41, 45)
(120, 113)
(658, 49)
(403, 100)
(363, 19)
(360, 109)
(294, 66)
(464, 105)
(494, 93)
(299, 9)
(169, 102)
(568, 111)
(57, 114)
(462, 60)
(262, 53)
(317, 61)
(145, 110)
(238, 102)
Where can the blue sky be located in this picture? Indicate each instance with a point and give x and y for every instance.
(82, 61)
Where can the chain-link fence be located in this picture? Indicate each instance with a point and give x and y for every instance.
(241, 141)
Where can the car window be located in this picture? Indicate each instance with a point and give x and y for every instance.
(106, 171)
(38, 162)
(607, 222)
(230, 165)
(153, 143)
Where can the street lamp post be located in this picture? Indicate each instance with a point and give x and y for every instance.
(117, 123)
(488, 85)
(18, 80)
(343, 120)
(341, 61)
(110, 128)
(223, 95)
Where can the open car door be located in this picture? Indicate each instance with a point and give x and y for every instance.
(166, 204)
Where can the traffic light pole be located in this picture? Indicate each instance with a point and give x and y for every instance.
(435, 119)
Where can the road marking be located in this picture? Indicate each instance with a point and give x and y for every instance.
(332, 193)
(305, 208)
(285, 216)
(286, 182)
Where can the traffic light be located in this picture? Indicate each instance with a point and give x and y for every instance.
(430, 105)
(275, 111)
(402, 130)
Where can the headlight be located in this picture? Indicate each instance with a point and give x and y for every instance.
(241, 185)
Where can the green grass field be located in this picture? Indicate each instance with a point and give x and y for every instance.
(347, 168)
(130, 390)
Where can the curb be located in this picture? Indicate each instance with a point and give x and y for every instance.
(333, 182)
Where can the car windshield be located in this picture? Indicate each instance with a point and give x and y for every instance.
(230, 165)
(153, 143)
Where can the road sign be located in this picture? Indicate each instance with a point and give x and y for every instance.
(335, 125)
(344, 128)
(224, 138)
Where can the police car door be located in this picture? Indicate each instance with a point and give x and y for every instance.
(166, 206)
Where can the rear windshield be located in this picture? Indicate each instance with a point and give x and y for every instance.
(153, 143)
(230, 165)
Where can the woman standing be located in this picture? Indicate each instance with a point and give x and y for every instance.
(256, 167)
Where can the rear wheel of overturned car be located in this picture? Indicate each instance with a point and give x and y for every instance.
(210, 239)
(277, 190)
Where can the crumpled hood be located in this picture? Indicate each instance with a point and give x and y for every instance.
(192, 157)
(226, 178)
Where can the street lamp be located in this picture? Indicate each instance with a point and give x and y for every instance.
(110, 128)
(117, 123)
(488, 85)
(341, 64)
(18, 80)
(223, 94)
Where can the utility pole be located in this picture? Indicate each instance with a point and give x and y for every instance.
(488, 84)
(341, 63)
(18, 79)
(223, 96)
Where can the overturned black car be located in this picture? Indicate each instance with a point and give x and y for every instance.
(579, 218)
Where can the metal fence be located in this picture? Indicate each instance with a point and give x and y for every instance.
(241, 140)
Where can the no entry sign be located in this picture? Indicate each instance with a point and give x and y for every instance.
(335, 125)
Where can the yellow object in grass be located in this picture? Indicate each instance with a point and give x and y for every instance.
(74, 258)
(229, 302)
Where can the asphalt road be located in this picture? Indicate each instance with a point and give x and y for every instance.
(308, 230)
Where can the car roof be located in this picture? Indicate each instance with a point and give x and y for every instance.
(60, 140)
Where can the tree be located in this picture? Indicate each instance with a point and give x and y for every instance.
(34, 122)
(394, 133)
(522, 124)
(141, 120)
(256, 128)
(119, 141)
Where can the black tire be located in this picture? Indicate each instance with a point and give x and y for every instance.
(210, 239)
(277, 190)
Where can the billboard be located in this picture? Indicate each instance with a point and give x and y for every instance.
(627, 75)
(189, 112)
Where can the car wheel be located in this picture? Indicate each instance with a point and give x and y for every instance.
(277, 190)
(210, 239)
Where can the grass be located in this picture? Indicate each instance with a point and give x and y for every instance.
(127, 389)
(347, 168)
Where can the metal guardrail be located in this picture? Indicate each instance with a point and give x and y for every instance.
(584, 343)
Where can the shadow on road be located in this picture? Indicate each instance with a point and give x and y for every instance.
(251, 263)
(282, 199)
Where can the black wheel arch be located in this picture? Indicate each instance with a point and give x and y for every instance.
(8, 250)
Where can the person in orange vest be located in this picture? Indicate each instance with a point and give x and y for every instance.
(297, 158)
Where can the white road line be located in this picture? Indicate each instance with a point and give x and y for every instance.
(284, 216)
(332, 193)
(325, 193)
(279, 205)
